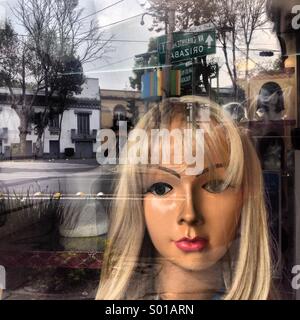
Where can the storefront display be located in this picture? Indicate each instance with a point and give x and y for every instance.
(149, 151)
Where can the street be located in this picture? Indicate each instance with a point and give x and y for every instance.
(80, 211)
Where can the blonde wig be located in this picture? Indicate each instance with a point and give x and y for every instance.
(128, 259)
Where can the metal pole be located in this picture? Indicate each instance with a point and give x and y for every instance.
(218, 83)
(297, 163)
(298, 76)
(193, 78)
(171, 29)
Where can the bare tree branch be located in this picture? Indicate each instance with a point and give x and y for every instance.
(53, 39)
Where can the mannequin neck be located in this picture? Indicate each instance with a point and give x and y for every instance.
(176, 283)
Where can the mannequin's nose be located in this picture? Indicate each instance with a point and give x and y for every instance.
(189, 213)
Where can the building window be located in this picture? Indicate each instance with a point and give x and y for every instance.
(54, 121)
(83, 123)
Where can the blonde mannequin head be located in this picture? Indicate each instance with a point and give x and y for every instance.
(128, 271)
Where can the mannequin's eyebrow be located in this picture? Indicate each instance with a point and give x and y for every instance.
(215, 166)
(173, 172)
(176, 174)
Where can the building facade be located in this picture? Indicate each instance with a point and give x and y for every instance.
(115, 104)
(79, 125)
(286, 18)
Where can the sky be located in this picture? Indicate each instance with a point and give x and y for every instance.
(114, 72)
(115, 69)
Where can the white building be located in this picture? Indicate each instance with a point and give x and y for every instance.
(80, 124)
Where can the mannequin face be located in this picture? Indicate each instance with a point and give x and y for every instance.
(191, 220)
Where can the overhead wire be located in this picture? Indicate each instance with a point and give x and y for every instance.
(101, 10)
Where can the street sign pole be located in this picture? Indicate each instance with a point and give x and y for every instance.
(218, 83)
(167, 75)
(193, 78)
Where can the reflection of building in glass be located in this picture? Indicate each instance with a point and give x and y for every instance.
(283, 15)
(115, 104)
(79, 125)
(271, 96)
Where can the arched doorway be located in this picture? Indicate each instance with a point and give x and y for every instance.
(120, 112)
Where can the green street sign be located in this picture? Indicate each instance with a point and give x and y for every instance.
(186, 71)
(187, 45)
(186, 74)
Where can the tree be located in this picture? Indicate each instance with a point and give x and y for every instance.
(19, 69)
(148, 60)
(234, 20)
(54, 30)
(8, 58)
(253, 16)
(69, 83)
(225, 19)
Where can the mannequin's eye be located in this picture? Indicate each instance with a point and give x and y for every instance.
(160, 189)
(214, 186)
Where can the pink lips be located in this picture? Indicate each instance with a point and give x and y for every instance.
(191, 245)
